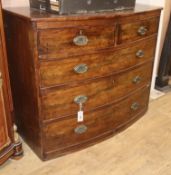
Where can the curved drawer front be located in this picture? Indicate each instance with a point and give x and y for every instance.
(62, 102)
(68, 132)
(58, 43)
(129, 32)
(91, 66)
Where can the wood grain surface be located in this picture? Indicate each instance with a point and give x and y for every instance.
(60, 135)
(9, 147)
(61, 71)
(59, 42)
(130, 31)
(45, 85)
(60, 102)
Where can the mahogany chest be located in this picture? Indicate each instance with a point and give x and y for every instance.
(97, 63)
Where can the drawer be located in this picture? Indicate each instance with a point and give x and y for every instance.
(95, 65)
(65, 101)
(58, 43)
(129, 32)
(68, 132)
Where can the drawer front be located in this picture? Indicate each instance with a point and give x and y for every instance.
(129, 32)
(91, 66)
(58, 43)
(68, 132)
(65, 101)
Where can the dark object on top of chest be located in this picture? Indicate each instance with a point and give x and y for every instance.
(81, 6)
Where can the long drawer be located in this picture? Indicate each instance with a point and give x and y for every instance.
(136, 30)
(68, 132)
(65, 100)
(84, 67)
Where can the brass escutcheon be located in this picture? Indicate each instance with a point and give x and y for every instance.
(140, 54)
(142, 30)
(80, 99)
(136, 80)
(80, 40)
(81, 68)
(80, 129)
(135, 106)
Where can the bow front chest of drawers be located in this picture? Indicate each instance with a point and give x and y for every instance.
(101, 63)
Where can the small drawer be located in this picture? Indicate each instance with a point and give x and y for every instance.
(58, 43)
(65, 100)
(68, 132)
(84, 67)
(129, 32)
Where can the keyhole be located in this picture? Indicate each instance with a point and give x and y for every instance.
(113, 82)
(81, 32)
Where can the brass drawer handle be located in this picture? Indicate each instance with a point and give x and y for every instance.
(80, 99)
(81, 68)
(80, 40)
(136, 80)
(140, 54)
(135, 106)
(80, 129)
(142, 30)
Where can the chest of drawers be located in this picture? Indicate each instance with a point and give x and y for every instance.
(101, 62)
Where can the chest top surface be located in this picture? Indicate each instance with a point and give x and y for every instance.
(37, 15)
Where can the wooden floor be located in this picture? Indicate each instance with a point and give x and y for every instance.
(142, 149)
